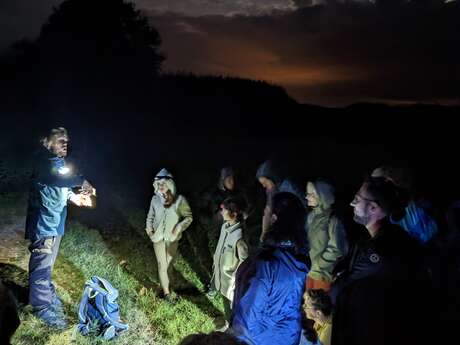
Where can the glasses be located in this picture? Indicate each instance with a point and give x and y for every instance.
(359, 198)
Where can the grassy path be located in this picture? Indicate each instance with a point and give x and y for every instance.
(127, 261)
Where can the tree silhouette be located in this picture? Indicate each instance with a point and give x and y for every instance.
(90, 51)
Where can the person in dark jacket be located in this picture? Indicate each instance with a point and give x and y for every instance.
(51, 189)
(370, 305)
(272, 182)
(269, 284)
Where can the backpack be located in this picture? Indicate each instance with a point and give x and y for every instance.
(99, 311)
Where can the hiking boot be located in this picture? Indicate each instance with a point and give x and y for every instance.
(51, 319)
(171, 298)
(57, 306)
(212, 293)
(224, 327)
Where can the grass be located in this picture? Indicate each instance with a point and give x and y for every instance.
(128, 262)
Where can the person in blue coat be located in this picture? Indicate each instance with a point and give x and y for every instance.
(51, 189)
(270, 283)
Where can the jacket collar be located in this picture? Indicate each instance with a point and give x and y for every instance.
(230, 228)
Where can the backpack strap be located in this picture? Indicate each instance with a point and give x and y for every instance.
(110, 294)
(101, 306)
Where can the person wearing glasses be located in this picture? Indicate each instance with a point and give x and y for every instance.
(383, 275)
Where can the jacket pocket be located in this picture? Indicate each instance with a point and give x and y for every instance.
(43, 245)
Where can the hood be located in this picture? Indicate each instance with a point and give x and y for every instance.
(267, 170)
(326, 194)
(224, 173)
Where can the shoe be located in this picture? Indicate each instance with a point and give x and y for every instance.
(224, 327)
(171, 298)
(57, 306)
(51, 319)
(212, 293)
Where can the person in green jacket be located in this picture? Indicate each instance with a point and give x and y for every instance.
(326, 234)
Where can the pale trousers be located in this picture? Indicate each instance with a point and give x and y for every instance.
(165, 253)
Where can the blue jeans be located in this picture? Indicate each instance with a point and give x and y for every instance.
(43, 255)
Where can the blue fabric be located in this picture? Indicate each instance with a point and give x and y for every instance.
(418, 223)
(269, 311)
(43, 256)
(47, 209)
(99, 309)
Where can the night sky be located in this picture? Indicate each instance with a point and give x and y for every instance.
(331, 53)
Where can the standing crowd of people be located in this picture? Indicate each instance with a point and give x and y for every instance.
(305, 283)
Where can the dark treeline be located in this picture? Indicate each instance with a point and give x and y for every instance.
(98, 73)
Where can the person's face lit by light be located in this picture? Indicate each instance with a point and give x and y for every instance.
(363, 206)
(162, 187)
(229, 183)
(312, 195)
(59, 145)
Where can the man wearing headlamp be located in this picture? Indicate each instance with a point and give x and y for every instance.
(51, 189)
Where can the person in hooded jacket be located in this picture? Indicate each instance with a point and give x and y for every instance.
(270, 283)
(326, 235)
(230, 252)
(168, 217)
(270, 180)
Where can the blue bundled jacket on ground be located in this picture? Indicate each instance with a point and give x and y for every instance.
(268, 297)
(99, 311)
(51, 187)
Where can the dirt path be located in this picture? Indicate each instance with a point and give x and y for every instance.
(13, 246)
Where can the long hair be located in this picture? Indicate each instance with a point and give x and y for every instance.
(290, 221)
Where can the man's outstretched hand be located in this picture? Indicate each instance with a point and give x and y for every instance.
(87, 188)
(81, 200)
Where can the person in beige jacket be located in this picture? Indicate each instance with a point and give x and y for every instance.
(326, 235)
(231, 250)
(169, 215)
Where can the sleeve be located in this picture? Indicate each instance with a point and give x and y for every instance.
(242, 250)
(336, 248)
(150, 218)
(185, 213)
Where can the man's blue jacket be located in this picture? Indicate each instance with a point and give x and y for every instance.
(50, 191)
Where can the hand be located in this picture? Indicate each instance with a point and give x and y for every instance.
(81, 200)
(87, 188)
(76, 199)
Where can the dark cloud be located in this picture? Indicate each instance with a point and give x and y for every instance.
(198, 8)
(331, 52)
(328, 54)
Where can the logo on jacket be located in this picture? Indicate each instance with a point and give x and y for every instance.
(375, 258)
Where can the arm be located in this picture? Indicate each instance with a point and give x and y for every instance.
(184, 211)
(150, 219)
(337, 247)
(241, 250)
